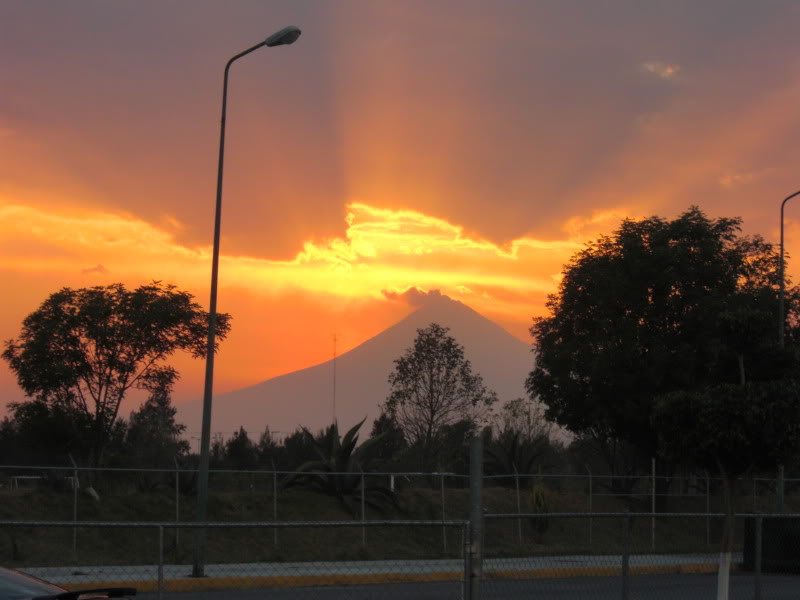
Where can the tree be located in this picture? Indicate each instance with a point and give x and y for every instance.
(392, 444)
(433, 386)
(217, 451)
(153, 438)
(83, 349)
(451, 447)
(525, 417)
(300, 447)
(519, 440)
(38, 434)
(240, 451)
(8, 441)
(267, 448)
(657, 307)
(730, 429)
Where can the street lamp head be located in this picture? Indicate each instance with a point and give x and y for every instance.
(284, 37)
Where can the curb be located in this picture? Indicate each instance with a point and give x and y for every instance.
(567, 572)
(186, 584)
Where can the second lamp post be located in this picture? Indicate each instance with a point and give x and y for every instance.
(781, 317)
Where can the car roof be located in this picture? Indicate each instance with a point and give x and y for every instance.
(16, 584)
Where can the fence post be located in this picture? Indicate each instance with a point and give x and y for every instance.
(519, 505)
(591, 507)
(626, 556)
(363, 514)
(780, 489)
(653, 507)
(708, 510)
(444, 529)
(75, 486)
(177, 504)
(274, 504)
(467, 550)
(757, 566)
(475, 515)
(161, 561)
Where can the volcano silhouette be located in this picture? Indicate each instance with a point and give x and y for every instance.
(304, 397)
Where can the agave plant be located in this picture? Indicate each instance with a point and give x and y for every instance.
(340, 469)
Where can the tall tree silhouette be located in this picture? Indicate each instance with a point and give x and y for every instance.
(657, 307)
(433, 386)
(84, 349)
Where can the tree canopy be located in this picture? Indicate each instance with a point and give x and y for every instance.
(657, 307)
(83, 349)
(153, 437)
(731, 428)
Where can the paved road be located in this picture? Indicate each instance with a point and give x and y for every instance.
(556, 577)
(642, 587)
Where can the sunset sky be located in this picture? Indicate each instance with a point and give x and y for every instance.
(469, 147)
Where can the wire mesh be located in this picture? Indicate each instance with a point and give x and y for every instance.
(639, 556)
(315, 559)
(626, 556)
(169, 492)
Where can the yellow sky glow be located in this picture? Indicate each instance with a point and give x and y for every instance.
(337, 281)
(349, 283)
(383, 249)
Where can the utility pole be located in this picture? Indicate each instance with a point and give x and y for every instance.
(475, 549)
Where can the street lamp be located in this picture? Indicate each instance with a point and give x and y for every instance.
(781, 324)
(284, 37)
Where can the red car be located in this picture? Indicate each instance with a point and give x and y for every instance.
(19, 586)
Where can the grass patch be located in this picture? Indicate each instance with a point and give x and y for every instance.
(49, 546)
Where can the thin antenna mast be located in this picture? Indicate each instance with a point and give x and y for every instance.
(334, 377)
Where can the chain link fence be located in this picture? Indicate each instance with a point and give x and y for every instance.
(595, 556)
(315, 559)
(169, 494)
(602, 556)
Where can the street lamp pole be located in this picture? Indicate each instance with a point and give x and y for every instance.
(285, 36)
(781, 324)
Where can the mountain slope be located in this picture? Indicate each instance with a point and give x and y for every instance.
(305, 397)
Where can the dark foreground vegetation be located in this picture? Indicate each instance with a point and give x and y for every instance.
(44, 546)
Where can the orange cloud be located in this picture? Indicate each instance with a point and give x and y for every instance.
(662, 70)
(383, 249)
(285, 310)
